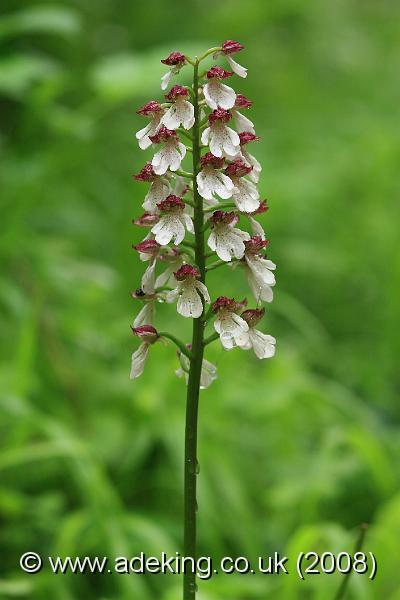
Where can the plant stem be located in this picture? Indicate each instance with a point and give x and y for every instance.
(211, 338)
(357, 548)
(220, 207)
(196, 360)
(216, 264)
(177, 342)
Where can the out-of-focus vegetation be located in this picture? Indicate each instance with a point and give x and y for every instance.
(294, 452)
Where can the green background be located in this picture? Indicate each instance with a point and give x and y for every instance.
(295, 452)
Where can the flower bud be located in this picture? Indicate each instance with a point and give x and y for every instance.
(175, 58)
(253, 316)
(146, 173)
(219, 114)
(147, 333)
(213, 161)
(185, 272)
(171, 203)
(163, 135)
(248, 136)
(238, 168)
(150, 108)
(218, 73)
(242, 101)
(231, 47)
(176, 92)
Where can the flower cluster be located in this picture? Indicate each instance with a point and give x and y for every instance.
(214, 204)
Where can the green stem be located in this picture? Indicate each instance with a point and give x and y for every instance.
(210, 51)
(211, 338)
(340, 594)
(177, 342)
(216, 264)
(183, 173)
(192, 403)
(220, 207)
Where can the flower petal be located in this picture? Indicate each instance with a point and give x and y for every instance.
(139, 358)
(189, 303)
(236, 68)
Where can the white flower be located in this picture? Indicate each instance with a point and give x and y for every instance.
(217, 94)
(155, 111)
(225, 239)
(181, 112)
(176, 61)
(159, 188)
(259, 270)
(148, 334)
(231, 47)
(171, 154)
(172, 222)
(208, 371)
(245, 194)
(230, 326)
(210, 181)
(262, 343)
(187, 292)
(221, 139)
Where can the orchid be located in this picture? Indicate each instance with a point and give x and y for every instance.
(225, 239)
(221, 139)
(202, 191)
(190, 303)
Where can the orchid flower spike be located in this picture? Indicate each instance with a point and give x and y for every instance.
(202, 211)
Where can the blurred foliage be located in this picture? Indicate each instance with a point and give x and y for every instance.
(295, 453)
